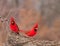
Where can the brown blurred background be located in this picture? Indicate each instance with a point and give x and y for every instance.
(27, 13)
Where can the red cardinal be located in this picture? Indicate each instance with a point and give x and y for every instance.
(13, 26)
(33, 31)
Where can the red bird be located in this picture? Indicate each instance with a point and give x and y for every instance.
(33, 31)
(13, 26)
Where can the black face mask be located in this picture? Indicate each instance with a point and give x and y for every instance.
(35, 29)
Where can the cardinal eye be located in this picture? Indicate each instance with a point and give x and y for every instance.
(12, 23)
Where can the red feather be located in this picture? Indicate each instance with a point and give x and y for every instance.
(14, 26)
(33, 31)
